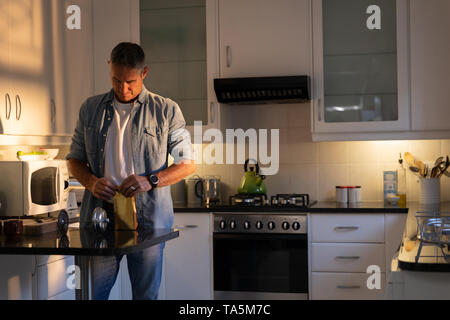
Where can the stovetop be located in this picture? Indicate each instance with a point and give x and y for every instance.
(278, 200)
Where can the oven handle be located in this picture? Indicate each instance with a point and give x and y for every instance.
(259, 236)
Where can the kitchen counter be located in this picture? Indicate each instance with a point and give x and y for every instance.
(430, 257)
(318, 207)
(85, 242)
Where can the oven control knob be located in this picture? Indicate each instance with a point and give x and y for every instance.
(246, 225)
(285, 225)
(259, 225)
(296, 225)
(222, 224)
(232, 224)
(271, 225)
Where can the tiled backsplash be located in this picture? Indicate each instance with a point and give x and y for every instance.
(317, 167)
(321, 166)
(312, 167)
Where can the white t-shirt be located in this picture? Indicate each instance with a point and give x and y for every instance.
(118, 153)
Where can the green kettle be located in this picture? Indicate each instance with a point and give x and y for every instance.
(252, 182)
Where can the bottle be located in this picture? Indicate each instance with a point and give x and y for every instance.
(401, 183)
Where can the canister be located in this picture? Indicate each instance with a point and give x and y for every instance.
(341, 194)
(354, 194)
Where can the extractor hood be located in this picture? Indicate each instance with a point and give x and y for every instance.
(261, 90)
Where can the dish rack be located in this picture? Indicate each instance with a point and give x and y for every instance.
(433, 228)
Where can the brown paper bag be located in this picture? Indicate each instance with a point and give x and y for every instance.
(124, 212)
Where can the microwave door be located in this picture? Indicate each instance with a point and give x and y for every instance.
(41, 187)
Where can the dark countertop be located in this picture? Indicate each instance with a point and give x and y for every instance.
(431, 257)
(86, 242)
(318, 207)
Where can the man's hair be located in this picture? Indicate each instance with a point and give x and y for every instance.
(128, 54)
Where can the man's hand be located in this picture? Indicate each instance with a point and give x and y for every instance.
(134, 184)
(103, 189)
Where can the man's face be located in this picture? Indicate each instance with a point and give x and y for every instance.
(127, 82)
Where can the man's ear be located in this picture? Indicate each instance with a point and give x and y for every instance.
(144, 72)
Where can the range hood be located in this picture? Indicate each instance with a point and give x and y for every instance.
(261, 90)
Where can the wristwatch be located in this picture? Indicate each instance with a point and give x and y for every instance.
(154, 180)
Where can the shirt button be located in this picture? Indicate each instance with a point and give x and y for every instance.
(101, 150)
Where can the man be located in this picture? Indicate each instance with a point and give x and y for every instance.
(122, 141)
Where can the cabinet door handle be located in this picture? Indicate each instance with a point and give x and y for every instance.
(212, 114)
(7, 103)
(349, 228)
(228, 57)
(18, 107)
(53, 110)
(319, 109)
(347, 257)
(348, 287)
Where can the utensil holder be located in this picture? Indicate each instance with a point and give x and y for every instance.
(430, 191)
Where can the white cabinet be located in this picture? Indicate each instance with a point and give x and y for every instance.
(181, 44)
(47, 69)
(264, 38)
(188, 259)
(16, 277)
(343, 248)
(361, 74)
(51, 278)
(73, 70)
(430, 66)
(114, 21)
(343, 286)
(26, 68)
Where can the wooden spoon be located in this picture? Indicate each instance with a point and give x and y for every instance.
(409, 159)
(421, 166)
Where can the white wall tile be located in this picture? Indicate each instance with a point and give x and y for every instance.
(333, 152)
(366, 176)
(425, 150)
(330, 176)
(363, 152)
(304, 179)
(389, 151)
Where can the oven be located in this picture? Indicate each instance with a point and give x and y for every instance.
(260, 256)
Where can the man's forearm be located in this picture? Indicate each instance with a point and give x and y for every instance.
(81, 172)
(176, 173)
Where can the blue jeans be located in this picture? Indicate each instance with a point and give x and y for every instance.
(144, 269)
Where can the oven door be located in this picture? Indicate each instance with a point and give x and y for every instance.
(260, 266)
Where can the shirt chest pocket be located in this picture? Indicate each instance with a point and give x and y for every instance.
(156, 139)
(90, 139)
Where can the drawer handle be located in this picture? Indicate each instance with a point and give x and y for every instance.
(348, 287)
(350, 228)
(347, 257)
(188, 226)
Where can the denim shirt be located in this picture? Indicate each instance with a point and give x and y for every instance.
(157, 129)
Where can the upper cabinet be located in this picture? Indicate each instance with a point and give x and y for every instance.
(430, 65)
(114, 21)
(264, 38)
(180, 41)
(361, 66)
(25, 63)
(46, 67)
(72, 51)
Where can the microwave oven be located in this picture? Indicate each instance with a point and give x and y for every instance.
(29, 188)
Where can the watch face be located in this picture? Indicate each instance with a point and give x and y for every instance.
(154, 180)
